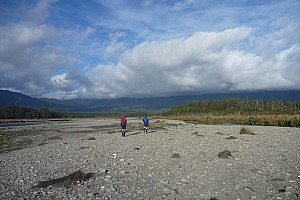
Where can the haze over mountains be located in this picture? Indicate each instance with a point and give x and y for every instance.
(155, 104)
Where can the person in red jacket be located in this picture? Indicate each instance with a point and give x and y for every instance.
(123, 124)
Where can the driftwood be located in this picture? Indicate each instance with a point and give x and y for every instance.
(66, 181)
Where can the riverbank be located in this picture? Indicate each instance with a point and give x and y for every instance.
(175, 160)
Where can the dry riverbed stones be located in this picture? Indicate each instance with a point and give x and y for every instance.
(88, 159)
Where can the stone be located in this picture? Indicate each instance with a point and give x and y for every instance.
(225, 154)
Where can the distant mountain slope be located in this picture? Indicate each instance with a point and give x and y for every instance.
(155, 104)
(9, 98)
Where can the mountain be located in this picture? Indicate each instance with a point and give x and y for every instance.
(155, 104)
(8, 98)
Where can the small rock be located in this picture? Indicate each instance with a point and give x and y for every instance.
(282, 190)
(225, 154)
(175, 155)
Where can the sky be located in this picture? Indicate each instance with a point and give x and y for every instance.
(104, 49)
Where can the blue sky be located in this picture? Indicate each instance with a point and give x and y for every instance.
(142, 48)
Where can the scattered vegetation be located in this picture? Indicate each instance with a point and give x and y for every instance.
(246, 130)
(5, 140)
(231, 137)
(259, 120)
(244, 112)
(10, 143)
(197, 134)
(42, 143)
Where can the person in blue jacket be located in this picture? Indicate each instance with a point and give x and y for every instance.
(146, 124)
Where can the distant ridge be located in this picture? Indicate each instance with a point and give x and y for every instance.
(9, 98)
(154, 104)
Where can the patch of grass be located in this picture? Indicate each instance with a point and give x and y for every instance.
(231, 137)
(277, 179)
(42, 143)
(282, 120)
(9, 143)
(197, 134)
(5, 140)
(246, 131)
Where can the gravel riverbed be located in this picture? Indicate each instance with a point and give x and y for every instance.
(175, 160)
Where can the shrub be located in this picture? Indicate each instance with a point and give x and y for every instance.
(246, 130)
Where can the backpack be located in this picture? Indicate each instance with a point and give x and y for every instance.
(145, 120)
(123, 119)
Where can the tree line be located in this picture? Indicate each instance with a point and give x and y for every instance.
(13, 112)
(237, 106)
(236, 111)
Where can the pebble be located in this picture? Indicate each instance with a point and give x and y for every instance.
(123, 172)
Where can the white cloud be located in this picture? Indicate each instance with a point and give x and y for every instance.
(40, 12)
(203, 62)
(114, 47)
(180, 5)
(154, 48)
(30, 53)
(61, 81)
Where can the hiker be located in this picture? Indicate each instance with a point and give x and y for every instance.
(146, 124)
(123, 125)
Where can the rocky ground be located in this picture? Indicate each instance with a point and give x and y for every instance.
(175, 160)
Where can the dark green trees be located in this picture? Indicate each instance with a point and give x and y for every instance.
(27, 113)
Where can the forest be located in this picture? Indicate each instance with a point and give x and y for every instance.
(16, 112)
(12, 112)
(236, 111)
(236, 106)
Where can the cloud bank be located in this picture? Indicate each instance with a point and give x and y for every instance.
(204, 62)
(131, 52)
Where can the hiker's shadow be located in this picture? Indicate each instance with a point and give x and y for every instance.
(132, 134)
(140, 132)
(152, 131)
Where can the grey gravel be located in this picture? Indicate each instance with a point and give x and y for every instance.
(141, 166)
